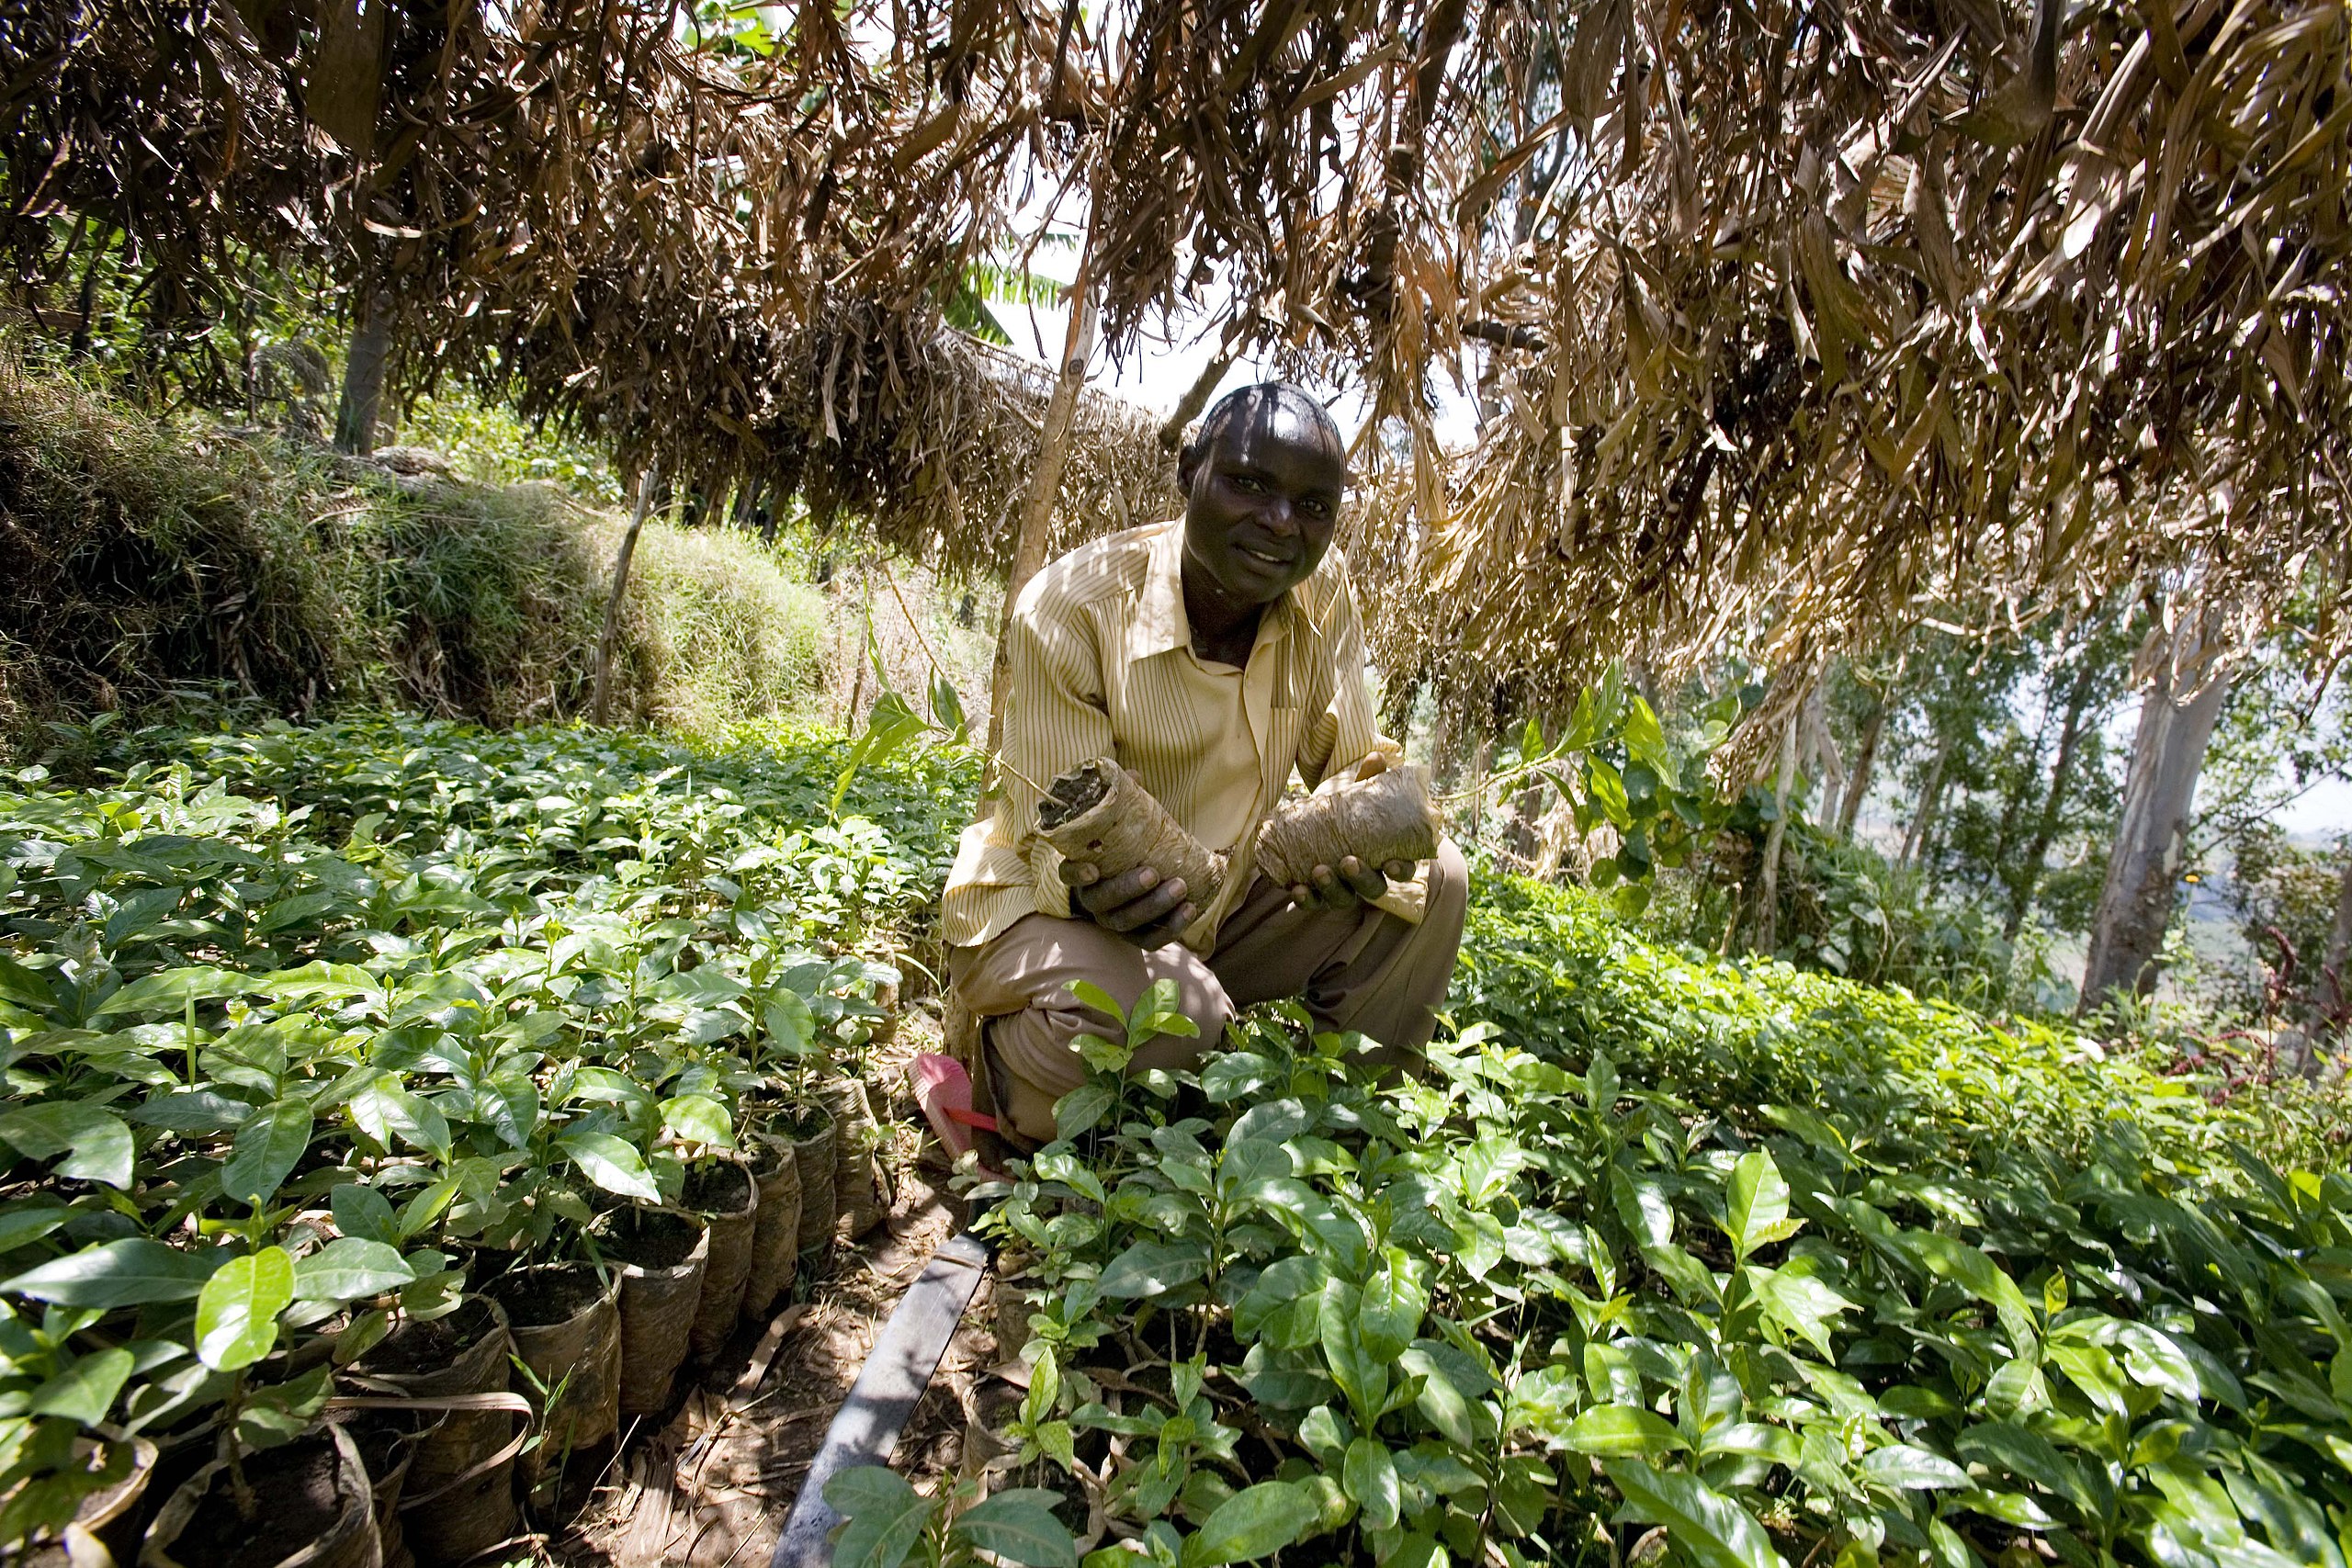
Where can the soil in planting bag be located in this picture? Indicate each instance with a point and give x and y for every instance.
(1378, 819)
(108, 1519)
(813, 1154)
(856, 1180)
(311, 1508)
(723, 1193)
(566, 1321)
(459, 1496)
(885, 996)
(775, 1235)
(660, 1254)
(1101, 813)
(386, 1440)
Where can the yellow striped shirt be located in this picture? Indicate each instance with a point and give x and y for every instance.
(1100, 663)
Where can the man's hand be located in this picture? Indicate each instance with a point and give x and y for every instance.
(1134, 904)
(1348, 885)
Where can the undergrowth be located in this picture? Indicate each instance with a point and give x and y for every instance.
(147, 556)
(1665, 1260)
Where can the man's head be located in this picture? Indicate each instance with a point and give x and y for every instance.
(1262, 484)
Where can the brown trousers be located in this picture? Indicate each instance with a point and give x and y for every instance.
(1363, 969)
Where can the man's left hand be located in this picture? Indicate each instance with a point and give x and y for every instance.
(1348, 885)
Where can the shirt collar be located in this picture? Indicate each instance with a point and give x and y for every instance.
(1160, 624)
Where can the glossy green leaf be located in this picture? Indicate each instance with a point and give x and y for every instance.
(1616, 1430)
(1904, 1467)
(119, 1273)
(349, 1268)
(611, 1163)
(96, 1144)
(1020, 1525)
(269, 1146)
(1153, 1268)
(1758, 1204)
(397, 1119)
(86, 1391)
(236, 1314)
(1369, 1477)
(1713, 1530)
(168, 992)
(886, 1517)
(1255, 1522)
(697, 1119)
(364, 1213)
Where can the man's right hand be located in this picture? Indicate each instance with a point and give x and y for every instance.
(1134, 904)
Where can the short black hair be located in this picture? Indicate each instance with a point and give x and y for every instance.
(1263, 394)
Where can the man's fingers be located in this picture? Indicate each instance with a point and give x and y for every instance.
(1399, 870)
(1167, 931)
(1081, 874)
(1363, 881)
(1151, 906)
(1331, 889)
(1112, 892)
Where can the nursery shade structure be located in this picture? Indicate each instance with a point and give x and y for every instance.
(1775, 313)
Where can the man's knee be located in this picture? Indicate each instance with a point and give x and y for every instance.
(1033, 1019)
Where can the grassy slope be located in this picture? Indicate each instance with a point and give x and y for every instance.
(147, 558)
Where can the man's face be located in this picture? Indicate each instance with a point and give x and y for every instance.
(1262, 501)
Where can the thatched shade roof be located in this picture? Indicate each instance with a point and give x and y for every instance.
(1777, 315)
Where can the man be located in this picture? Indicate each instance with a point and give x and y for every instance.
(1212, 657)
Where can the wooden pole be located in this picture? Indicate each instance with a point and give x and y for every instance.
(1035, 527)
(599, 706)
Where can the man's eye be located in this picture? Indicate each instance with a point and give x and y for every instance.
(1316, 508)
(1245, 484)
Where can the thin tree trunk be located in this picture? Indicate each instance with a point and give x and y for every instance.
(1768, 898)
(1445, 749)
(2333, 983)
(2144, 868)
(600, 705)
(2013, 798)
(2062, 777)
(1522, 836)
(1482, 760)
(1858, 782)
(1036, 514)
(363, 376)
(1915, 843)
(747, 500)
(864, 659)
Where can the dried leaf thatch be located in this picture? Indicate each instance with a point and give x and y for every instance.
(1777, 316)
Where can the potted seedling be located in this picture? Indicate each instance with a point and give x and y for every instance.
(720, 1192)
(781, 1103)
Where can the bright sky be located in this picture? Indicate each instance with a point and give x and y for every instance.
(1157, 375)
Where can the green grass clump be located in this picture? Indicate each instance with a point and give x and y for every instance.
(718, 632)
